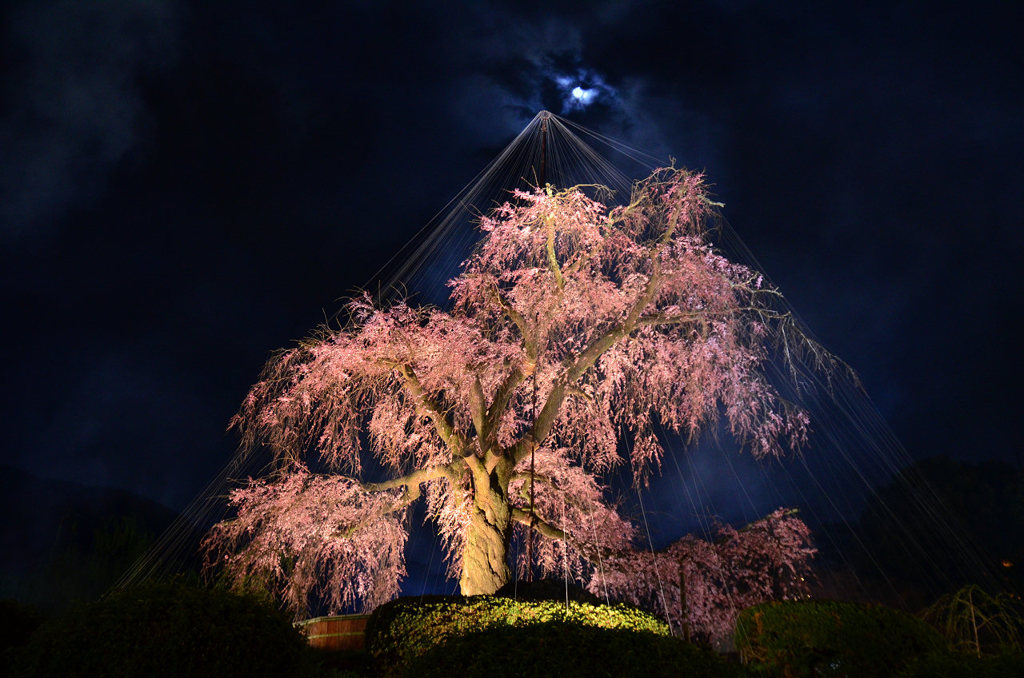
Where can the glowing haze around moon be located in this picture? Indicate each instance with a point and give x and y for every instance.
(581, 89)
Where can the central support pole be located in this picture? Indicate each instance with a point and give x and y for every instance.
(542, 174)
(543, 180)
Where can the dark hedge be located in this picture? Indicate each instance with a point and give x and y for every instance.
(952, 665)
(170, 630)
(824, 638)
(568, 650)
(17, 624)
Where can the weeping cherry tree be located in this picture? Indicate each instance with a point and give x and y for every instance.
(577, 333)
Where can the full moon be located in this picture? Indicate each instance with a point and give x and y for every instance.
(581, 96)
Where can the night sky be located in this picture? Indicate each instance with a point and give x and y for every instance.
(186, 186)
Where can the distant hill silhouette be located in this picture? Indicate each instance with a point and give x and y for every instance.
(62, 542)
(982, 503)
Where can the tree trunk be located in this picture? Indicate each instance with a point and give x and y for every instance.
(485, 558)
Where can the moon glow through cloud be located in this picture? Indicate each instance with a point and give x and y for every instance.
(582, 89)
(583, 96)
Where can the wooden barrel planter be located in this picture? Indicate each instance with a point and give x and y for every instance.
(347, 632)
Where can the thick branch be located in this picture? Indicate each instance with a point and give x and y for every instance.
(476, 408)
(585, 360)
(455, 442)
(549, 412)
(535, 522)
(531, 519)
(549, 223)
(501, 399)
(526, 489)
(476, 466)
(412, 481)
(589, 356)
(513, 315)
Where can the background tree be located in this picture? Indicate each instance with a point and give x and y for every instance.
(700, 586)
(575, 331)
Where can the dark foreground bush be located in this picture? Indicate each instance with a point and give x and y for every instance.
(824, 638)
(568, 650)
(167, 630)
(406, 628)
(17, 624)
(956, 665)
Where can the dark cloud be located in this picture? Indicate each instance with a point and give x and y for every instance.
(73, 108)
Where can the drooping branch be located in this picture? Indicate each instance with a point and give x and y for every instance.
(658, 319)
(309, 534)
(589, 356)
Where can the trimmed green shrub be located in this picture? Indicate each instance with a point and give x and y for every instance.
(406, 628)
(958, 665)
(167, 630)
(568, 650)
(825, 638)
